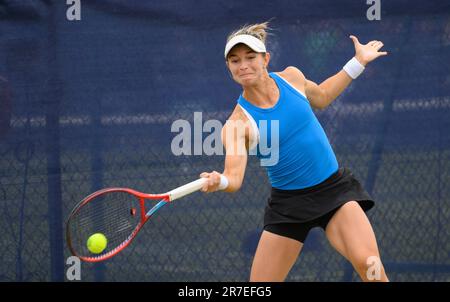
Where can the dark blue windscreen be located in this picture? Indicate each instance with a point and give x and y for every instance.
(90, 103)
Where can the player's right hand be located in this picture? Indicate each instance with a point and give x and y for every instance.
(212, 183)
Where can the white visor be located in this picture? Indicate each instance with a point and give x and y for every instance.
(252, 42)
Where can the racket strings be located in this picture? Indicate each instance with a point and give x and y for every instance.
(114, 214)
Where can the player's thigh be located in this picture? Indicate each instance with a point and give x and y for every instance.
(274, 257)
(350, 232)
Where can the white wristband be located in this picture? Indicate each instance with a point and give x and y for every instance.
(353, 68)
(223, 182)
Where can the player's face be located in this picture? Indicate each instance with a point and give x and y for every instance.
(246, 66)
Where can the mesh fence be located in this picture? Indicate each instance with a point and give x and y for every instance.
(90, 104)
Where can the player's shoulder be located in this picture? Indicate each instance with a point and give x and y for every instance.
(292, 74)
(238, 114)
(239, 122)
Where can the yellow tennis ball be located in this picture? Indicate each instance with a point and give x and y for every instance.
(96, 243)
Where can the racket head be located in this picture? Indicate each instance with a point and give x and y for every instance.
(117, 213)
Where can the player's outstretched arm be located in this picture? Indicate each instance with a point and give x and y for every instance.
(320, 96)
(234, 140)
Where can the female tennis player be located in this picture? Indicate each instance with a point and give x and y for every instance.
(309, 189)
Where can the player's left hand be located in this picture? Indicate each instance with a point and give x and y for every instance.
(366, 53)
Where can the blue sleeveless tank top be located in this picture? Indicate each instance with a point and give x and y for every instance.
(292, 145)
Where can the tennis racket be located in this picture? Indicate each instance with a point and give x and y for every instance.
(117, 213)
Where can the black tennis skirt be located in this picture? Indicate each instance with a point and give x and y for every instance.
(297, 206)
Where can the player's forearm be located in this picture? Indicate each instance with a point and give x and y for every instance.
(333, 87)
(234, 181)
(234, 171)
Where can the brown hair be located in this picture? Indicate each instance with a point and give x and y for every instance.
(259, 30)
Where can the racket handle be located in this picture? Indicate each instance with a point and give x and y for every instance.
(186, 189)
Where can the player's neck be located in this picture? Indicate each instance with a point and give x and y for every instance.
(263, 94)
